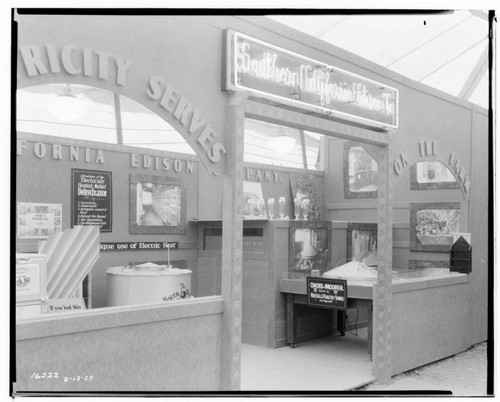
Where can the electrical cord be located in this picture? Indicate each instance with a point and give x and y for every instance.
(355, 333)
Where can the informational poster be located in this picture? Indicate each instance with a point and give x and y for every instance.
(37, 220)
(91, 199)
(327, 293)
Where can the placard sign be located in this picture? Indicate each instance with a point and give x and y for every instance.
(327, 293)
(274, 73)
(138, 246)
(65, 305)
(91, 199)
(38, 220)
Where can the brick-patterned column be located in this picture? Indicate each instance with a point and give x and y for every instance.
(382, 295)
(232, 240)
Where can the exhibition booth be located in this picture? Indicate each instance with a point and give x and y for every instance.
(224, 180)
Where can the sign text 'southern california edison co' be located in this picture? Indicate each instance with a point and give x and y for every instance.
(270, 71)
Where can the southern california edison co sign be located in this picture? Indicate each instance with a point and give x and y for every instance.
(270, 72)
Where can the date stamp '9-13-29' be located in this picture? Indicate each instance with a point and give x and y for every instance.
(54, 375)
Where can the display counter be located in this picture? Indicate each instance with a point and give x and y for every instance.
(430, 314)
(360, 296)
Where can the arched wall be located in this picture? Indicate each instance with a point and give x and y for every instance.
(186, 101)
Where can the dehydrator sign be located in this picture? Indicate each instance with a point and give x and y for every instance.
(91, 199)
(327, 293)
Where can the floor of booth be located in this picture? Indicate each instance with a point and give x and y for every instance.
(335, 363)
(342, 363)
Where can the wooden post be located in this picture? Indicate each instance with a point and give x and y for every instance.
(232, 240)
(382, 292)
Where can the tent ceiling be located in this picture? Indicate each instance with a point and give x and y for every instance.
(447, 51)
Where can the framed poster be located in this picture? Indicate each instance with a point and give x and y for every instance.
(253, 201)
(360, 172)
(157, 205)
(38, 220)
(432, 225)
(91, 199)
(304, 195)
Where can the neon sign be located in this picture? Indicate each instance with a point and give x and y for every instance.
(270, 72)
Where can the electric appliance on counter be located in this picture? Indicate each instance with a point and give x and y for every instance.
(353, 271)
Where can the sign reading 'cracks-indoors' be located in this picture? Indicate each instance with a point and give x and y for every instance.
(327, 293)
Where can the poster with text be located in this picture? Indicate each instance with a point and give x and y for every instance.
(91, 199)
(38, 220)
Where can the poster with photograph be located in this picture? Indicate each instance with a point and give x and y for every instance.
(157, 205)
(38, 220)
(91, 199)
(304, 197)
(253, 201)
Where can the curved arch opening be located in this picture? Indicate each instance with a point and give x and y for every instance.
(94, 114)
(432, 175)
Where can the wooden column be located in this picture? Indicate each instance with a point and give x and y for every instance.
(232, 239)
(382, 294)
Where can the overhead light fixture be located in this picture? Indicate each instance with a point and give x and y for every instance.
(66, 106)
(282, 143)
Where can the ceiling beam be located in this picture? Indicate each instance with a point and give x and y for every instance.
(452, 60)
(324, 30)
(480, 14)
(427, 42)
(475, 76)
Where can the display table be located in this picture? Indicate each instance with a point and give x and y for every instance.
(360, 295)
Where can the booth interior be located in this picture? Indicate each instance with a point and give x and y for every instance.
(119, 223)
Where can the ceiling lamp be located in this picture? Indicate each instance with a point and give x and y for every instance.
(66, 106)
(282, 143)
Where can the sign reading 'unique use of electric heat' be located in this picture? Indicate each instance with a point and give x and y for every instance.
(138, 246)
(327, 293)
(271, 72)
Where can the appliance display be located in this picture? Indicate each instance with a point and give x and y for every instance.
(147, 283)
(31, 285)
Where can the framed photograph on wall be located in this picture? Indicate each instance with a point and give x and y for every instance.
(157, 205)
(362, 242)
(432, 175)
(253, 201)
(432, 225)
(305, 199)
(360, 172)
